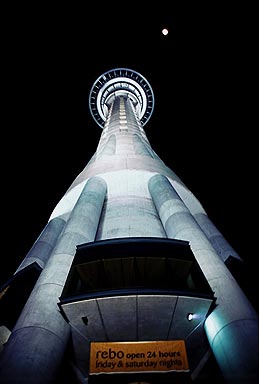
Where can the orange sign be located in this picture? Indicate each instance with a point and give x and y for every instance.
(139, 356)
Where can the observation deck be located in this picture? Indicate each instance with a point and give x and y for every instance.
(117, 82)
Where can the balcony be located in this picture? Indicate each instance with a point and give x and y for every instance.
(136, 289)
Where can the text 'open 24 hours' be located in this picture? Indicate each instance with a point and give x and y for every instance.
(147, 356)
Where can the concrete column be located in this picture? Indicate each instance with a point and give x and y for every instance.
(44, 245)
(109, 148)
(36, 346)
(140, 146)
(232, 327)
(221, 245)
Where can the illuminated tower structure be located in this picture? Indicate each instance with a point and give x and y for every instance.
(127, 256)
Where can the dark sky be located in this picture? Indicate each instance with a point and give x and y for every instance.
(202, 127)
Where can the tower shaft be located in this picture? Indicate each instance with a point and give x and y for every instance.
(127, 195)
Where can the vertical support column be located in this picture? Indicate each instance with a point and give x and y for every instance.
(36, 346)
(44, 245)
(222, 247)
(233, 325)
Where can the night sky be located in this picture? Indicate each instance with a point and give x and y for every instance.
(202, 75)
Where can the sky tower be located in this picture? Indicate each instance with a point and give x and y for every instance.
(129, 281)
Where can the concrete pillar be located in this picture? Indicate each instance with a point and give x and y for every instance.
(108, 148)
(221, 245)
(232, 327)
(43, 246)
(140, 147)
(36, 346)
